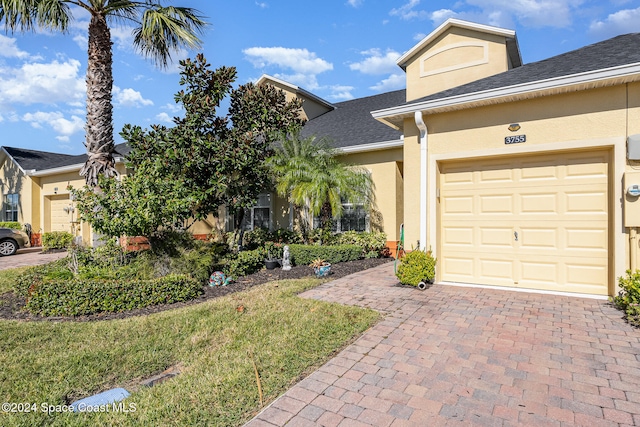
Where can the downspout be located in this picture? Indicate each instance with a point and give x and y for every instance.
(633, 248)
(424, 138)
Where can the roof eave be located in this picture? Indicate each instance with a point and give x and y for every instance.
(374, 146)
(588, 80)
(63, 169)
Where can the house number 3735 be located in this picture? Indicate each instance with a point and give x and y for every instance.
(515, 139)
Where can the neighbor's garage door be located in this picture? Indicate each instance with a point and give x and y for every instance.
(537, 222)
(59, 218)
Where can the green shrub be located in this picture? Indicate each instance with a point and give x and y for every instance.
(369, 241)
(80, 297)
(56, 240)
(35, 275)
(305, 254)
(628, 299)
(245, 262)
(11, 224)
(417, 266)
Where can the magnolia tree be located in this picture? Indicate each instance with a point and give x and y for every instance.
(181, 174)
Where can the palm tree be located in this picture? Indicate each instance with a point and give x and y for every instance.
(159, 31)
(307, 172)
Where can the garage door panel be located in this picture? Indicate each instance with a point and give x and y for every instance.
(458, 268)
(496, 237)
(497, 204)
(497, 271)
(500, 174)
(594, 202)
(458, 205)
(539, 203)
(556, 203)
(459, 236)
(59, 218)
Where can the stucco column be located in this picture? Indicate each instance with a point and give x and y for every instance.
(424, 138)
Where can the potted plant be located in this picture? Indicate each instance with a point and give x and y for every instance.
(271, 261)
(320, 267)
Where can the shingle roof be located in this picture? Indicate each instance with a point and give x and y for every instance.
(42, 160)
(351, 123)
(614, 52)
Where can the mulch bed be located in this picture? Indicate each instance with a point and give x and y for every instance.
(12, 306)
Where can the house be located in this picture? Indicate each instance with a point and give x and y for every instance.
(514, 175)
(33, 185)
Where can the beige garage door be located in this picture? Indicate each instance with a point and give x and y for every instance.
(59, 218)
(537, 222)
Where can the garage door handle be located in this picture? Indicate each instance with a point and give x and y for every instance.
(515, 234)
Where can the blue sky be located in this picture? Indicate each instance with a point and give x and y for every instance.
(337, 49)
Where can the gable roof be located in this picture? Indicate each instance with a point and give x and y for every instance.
(32, 161)
(613, 61)
(513, 49)
(350, 124)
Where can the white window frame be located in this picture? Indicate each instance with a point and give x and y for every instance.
(6, 211)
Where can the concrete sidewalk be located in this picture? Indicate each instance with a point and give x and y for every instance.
(27, 257)
(469, 356)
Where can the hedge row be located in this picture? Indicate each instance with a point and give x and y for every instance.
(56, 240)
(10, 224)
(77, 297)
(306, 254)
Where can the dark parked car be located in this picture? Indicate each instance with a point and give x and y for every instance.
(12, 240)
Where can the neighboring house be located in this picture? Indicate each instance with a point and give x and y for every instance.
(512, 174)
(33, 185)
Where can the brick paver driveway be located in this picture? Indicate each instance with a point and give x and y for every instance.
(32, 256)
(468, 356)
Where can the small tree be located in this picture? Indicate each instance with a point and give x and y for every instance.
(307, 172)
(184, 173)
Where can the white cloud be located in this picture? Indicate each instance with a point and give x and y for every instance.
(355, 3)
(173, 108)
(129, 98)
(407, 12)
(298, 60)
(164, 117)
(377, 62)
(393, 82)
(341, 93)
(9, 48)
(530, 13)
(262, 5)
(621, 22)
(45, 83)
(55, 120)
(441, 15)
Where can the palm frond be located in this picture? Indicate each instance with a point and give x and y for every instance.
(27, 15)
(166, 30)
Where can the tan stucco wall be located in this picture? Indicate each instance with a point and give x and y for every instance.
(599, 119)
(310, 108)
(456, 48)
(385, 168)
(13, 180)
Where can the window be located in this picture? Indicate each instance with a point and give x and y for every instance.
(10, 207)
(258, 216)
(354, 218)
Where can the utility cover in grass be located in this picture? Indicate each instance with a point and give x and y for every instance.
(97, 402)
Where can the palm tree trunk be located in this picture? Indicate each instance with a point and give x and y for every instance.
(99, 126)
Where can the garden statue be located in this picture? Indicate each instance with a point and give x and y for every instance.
(219, 279)
(286, 261)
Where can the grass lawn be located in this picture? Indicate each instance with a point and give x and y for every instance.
(59, 362)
